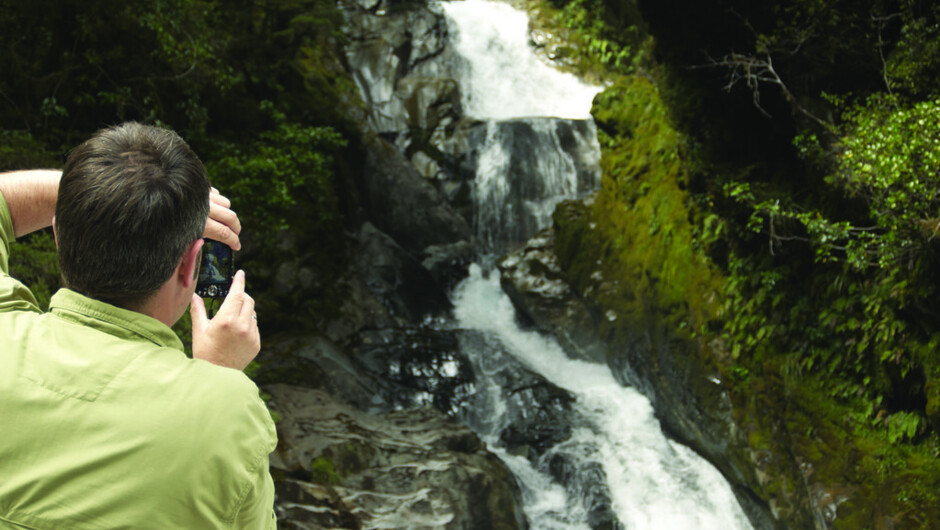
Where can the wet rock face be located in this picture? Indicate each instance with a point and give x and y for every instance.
(375, 370)
(404, 66)
(534, 281)
(337, 467)
(422, 365)
(539, 419)
(403, 204)
(398, 55)
(448, 264)
(396, 279)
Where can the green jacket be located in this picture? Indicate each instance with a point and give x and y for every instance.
(105, 423)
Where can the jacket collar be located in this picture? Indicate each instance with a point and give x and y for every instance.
(113, 320)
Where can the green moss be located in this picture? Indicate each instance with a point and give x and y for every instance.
(843, 459)
(635, 248)
(323, 472)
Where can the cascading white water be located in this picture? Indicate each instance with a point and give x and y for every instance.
(654, 482)
(524, 168)
(494, 37)
(540, 145)
(650, 481)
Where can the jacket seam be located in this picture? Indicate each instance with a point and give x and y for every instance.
(249, 484)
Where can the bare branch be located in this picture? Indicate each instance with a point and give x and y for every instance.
(880, 21)
(752, 71)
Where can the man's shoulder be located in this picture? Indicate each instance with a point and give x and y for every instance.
(225, 399)
(215, 386)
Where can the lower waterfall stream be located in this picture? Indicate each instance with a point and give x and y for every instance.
(652, 482)
(619, 469)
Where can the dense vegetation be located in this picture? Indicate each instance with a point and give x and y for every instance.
(770, 191)
(255, 87)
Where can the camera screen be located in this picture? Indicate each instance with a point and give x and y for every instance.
(216, 270)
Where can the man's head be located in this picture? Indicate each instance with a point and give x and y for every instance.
(131, 200)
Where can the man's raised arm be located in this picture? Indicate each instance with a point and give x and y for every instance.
(31, 196)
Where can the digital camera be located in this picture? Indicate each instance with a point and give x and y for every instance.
(216, 270)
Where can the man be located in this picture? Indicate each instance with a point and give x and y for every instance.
(104, 422)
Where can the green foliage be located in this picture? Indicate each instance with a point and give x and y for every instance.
(866, 329)
(588, 21)
(888, 159)
(20, 150)
(904, 426)
(913, 66)
(595, 38)
(267, 176)
(33, 261)
(192, 65)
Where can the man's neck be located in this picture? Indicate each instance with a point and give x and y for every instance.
(162, 305)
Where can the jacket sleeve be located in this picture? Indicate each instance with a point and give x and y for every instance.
(13, 294)
(257, 510)
(257, 432)
(6, 235)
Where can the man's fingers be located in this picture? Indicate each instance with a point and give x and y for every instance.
(220, 232)
(223, 224)
(223, 214)
(238, 282)
(218, 198)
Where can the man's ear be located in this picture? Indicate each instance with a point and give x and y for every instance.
(54, 235)
(189, 264)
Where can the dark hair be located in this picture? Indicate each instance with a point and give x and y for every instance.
(131, 199)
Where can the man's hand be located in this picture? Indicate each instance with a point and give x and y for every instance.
(223, 225)
(231, 339)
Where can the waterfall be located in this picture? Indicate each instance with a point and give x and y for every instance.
(614, 467)
(524, 167)
(540, 144)
(502, 79)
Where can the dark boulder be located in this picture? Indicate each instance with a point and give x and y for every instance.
(403, 204)
(395, 278)
(448, 264)
(336, 466)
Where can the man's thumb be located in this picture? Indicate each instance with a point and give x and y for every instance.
(197, 311)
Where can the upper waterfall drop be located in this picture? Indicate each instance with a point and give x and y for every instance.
(502, 79)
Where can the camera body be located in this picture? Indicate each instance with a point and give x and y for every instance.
(216, 270)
